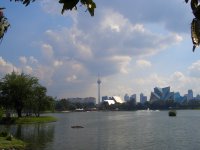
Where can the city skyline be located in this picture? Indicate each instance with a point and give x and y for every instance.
(134, 45)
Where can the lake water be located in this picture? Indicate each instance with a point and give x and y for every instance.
(114, 131)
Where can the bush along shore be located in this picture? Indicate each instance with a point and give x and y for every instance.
(8, 142)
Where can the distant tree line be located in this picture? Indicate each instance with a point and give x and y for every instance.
(23, 93)
(67, 105)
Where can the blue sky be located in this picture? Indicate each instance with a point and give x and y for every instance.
(133, 45)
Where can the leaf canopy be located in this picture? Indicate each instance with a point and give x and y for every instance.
(68, 4)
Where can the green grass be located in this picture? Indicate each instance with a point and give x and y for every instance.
(14, 143)
(30, 120)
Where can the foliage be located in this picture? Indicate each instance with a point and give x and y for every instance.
(4, 24)
(3, 134)
(195, 25)
(23, 93)
(1, 113)
(68, 4)
(65, 104)
(13, 144)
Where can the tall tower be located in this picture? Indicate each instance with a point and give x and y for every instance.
(99, 85)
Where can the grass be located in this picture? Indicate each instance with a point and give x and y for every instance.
(13, 144)
(28, 120)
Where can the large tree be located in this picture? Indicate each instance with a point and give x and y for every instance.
(16, 90)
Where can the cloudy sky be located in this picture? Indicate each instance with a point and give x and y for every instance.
(134, 45)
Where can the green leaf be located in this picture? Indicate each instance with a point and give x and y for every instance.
(195, 33)
(68, 4)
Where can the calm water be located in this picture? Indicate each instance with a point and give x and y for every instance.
(115, 131)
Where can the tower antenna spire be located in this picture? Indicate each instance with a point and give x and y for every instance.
(99, 88)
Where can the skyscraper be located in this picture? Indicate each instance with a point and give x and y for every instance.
(99, 88)
(190, 95)
(143, 98)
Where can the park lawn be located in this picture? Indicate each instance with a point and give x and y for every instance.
(30, 120)
(14, 143)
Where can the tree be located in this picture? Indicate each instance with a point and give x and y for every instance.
(195, 25)
(16, 90)
(68, 4)
(40, 100)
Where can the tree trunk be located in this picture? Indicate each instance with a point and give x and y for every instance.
(19, 113)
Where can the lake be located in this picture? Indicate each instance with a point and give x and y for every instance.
(117, 130)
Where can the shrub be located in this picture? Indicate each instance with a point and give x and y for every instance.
(3, 134)
(9, 137)
(1, 113)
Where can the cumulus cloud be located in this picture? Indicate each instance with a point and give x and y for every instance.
(143, 63)
(47, 50)
(6, 67)
(110, 43)
(71, 78)
(23, 59)
(194, 69)
(57, 63)
(51, 7)
(33, 60)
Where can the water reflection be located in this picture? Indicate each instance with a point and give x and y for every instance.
(37, 135)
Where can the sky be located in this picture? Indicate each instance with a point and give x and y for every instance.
(133, 46)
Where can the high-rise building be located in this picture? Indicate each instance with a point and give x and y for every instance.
(143, 98)
(190, 95)
(162, 94)
(133, 97)
(126, 98)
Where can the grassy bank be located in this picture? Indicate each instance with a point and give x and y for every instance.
(28, 120)
(11, 144)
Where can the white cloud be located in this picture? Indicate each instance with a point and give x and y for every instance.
(47, 50)
(195, 69)
(33, 60)
(72, 78)
(57, 63)
(6, 67)
(51, 7)
(143, 63)
(23, 59)
(28, 70)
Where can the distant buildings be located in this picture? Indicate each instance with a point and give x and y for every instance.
(126, 98)
(143, 98)
(158, 94)
(161, 94)
(133, 97)
(112, 99)
(190, 95)
(166, 94)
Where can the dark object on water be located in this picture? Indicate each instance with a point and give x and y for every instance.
(77, 127)
(172, 113)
